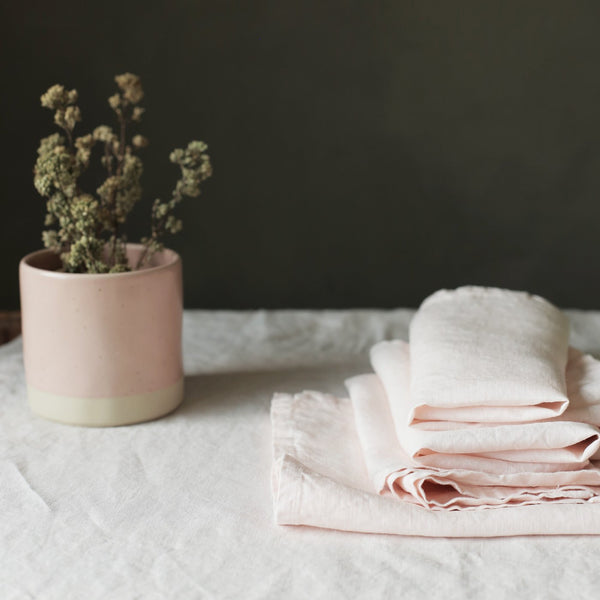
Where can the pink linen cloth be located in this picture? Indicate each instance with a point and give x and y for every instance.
(320, 479)
(461, 486)
(550, 441)
(488, 414)
(487, 355)
(583, 388)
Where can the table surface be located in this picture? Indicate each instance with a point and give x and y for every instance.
(181, 507)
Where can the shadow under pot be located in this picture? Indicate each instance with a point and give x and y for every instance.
(102, 349)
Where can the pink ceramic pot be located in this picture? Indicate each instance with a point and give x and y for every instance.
(102, 350)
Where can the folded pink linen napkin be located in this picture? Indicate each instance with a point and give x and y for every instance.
(320, 479)
(459, 487)
(487, 355)
(550, 441)
(486, 425)
(583, 388)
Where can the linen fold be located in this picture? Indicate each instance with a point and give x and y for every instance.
(320, 479)
(460, 487)
(487, 354)
(487, 423)
(549, 441)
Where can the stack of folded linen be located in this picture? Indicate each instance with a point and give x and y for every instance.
(487, 408)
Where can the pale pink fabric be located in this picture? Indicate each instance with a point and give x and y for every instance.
(391, 469)
(488, 414)
(551, 441)
(583, 385)
(320, 479)
(487, 355)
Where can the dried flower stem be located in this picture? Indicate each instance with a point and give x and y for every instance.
(120, 161)
(87, 226)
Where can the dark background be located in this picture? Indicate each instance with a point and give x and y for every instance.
(365, 154)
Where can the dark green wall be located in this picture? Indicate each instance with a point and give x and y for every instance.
(365, 153)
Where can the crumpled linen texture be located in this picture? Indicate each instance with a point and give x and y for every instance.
(320, 479)
(486, 354)
(425, 420)
(555, 440)
(181, 507)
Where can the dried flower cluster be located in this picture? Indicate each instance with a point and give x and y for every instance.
(86, 230)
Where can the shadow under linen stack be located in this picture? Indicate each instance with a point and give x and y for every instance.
(485, 424)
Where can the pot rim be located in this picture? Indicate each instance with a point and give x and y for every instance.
(172, 257)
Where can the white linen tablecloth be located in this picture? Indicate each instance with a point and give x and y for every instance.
(181, 507)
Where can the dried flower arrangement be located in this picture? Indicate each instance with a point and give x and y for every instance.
(87, 230)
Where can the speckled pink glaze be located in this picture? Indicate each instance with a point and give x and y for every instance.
(98, 336)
